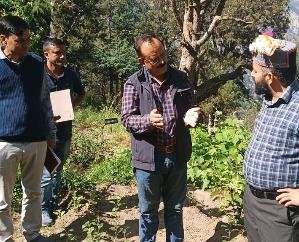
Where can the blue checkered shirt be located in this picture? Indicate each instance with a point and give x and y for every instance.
(272, 158)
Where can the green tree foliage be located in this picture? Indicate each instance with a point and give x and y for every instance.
(36, 12)
(100, 36)
(227, 104)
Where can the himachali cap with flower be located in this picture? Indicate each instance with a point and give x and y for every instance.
(273, 53)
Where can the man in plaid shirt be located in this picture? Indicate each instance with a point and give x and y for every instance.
(157, 111)
(272, 158)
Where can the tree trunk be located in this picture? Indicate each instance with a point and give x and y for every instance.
(52, 26)
(194, 34)
(190, 66)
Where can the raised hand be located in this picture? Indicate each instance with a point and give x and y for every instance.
(192, 116)
(156, 119)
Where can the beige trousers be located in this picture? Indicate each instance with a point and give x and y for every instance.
(30, 157)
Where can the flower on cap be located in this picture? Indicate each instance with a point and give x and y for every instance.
(268, 30)
(265, 45)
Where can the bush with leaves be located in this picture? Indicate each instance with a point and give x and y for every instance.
(92, 140)
(217, 159)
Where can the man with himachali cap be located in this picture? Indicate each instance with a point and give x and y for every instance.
(272, 158)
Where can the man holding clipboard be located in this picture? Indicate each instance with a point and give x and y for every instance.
(66, 93)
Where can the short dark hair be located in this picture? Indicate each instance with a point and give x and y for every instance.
(144, 38)
(51, 41)
(10, 24)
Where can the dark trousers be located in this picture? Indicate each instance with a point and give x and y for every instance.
(268, 221)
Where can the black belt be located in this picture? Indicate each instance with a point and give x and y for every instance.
(267, 194)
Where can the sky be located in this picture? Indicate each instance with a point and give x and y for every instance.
(294, 5)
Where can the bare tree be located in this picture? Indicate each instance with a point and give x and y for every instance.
(196, 29)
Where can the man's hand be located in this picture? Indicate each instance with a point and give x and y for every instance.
(288, 197)
(51, 143)
(192, 116)
(56, 118)
(156, 119)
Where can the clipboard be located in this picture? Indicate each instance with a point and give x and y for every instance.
(62, 105)
(52, 161)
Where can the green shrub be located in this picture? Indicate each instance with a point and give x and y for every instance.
(93, 141)
(74, 181)
(216, 161)
(77, 187)
(116, 169)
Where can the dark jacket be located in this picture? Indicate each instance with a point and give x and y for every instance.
(143, 145)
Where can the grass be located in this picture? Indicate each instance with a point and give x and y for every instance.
(117, 169)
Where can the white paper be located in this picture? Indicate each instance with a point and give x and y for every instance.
(62, 105)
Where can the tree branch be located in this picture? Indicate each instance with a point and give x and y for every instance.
(190, 49)
(236, 20)
(211, 86)
(187, 20)
(204, 5)
(213, 25)
(209, 32)
(176, 14)
(196, 20)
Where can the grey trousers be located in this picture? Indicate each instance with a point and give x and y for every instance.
(30, 157)
(268, 221)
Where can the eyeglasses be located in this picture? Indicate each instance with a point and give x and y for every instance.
(156, 60)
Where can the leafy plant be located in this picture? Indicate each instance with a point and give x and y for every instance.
(69, 235)
(92, 140)
(116, 169)
(216, 161)
(94, 230)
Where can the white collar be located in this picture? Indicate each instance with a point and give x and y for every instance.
(3, 56)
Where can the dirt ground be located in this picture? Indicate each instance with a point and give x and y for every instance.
(115, 217)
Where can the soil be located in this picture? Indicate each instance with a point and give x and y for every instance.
(115, 216)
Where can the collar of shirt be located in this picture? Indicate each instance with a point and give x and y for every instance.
(58, 77)
(151, 79)
(287, 95)
(3, 57)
